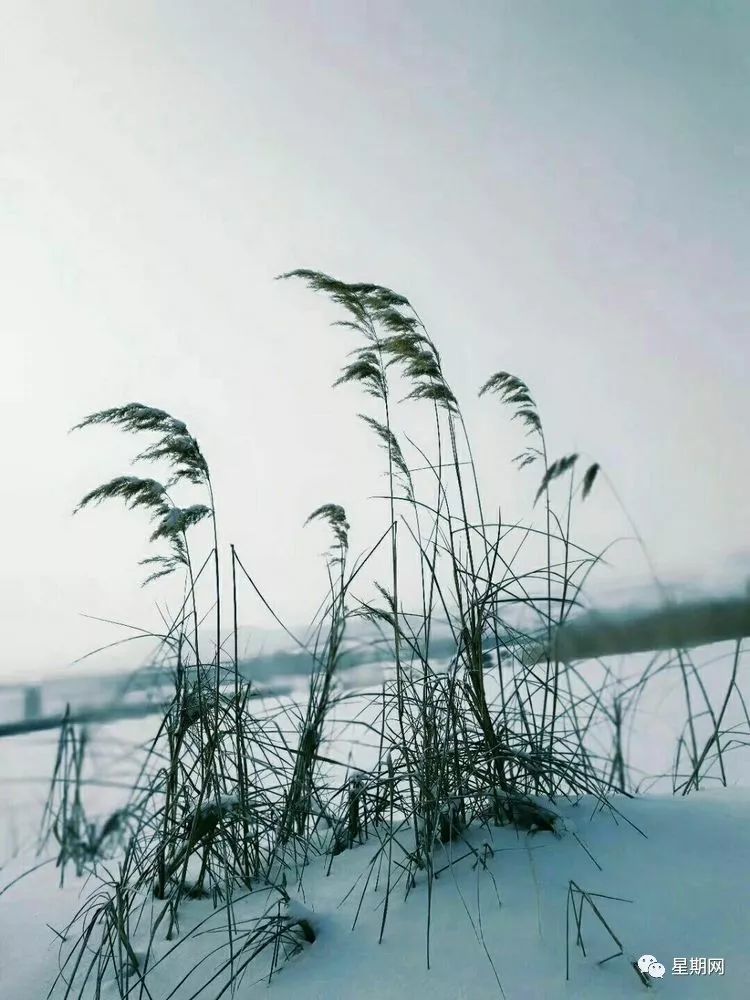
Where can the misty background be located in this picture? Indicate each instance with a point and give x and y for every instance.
(561, 189)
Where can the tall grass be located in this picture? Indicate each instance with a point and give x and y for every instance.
(234, 799)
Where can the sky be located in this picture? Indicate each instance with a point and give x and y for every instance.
(561, 189)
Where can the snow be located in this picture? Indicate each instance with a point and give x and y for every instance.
(669, 874)
(500, 900)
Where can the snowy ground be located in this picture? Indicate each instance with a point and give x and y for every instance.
(498, 926)
(686, 881)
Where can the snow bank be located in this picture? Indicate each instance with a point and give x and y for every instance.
(672, 876)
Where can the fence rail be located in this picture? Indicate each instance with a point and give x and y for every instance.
(673, 625)
(683, 625)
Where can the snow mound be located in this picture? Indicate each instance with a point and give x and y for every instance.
(661, 877)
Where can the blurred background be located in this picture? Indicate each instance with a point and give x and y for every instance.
(560, 189)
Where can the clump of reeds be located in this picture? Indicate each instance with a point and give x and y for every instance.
(81, 840)
(232, 802)
(456, 751)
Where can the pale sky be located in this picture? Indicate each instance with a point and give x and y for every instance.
(561, 188)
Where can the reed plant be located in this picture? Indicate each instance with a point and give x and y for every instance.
(237, 795)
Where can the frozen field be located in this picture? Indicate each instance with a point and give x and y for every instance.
(679, 867)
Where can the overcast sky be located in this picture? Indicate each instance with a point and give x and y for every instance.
(561, 188)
